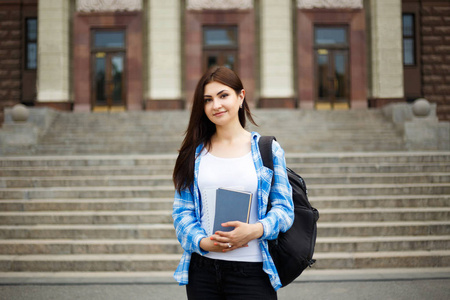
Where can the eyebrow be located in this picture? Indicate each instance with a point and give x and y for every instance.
(217, 93)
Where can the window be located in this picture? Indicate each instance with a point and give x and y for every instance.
(31, 44)
(109, 39)
(220, 46)
(336, 36)
(409, 53)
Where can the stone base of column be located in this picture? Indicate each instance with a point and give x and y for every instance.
(277, 103)
(64, 106)
(380, 102)
(165, 104)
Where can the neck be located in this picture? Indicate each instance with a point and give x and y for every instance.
(230, 132)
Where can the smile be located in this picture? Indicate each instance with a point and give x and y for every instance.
(219, 113)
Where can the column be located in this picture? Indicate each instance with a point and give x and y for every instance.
(277, 63)
(386, 64)
(53, 53)
(164, 90)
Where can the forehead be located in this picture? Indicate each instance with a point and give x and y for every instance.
(214, 87)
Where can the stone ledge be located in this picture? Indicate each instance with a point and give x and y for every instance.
(423, 133)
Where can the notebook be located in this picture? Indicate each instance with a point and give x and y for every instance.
(231, 205)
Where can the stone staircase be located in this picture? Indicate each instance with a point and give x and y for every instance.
(162, 132)
(95, 195)
(113, 213)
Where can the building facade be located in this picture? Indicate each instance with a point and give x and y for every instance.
(115, 55)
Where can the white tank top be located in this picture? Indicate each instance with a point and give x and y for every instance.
(234, 173)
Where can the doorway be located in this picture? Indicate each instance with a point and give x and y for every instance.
(332, 80)
(108, 70)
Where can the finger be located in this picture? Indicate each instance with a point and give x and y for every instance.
(222, 234)
(231, 224)
(219, 238)
(225, 246)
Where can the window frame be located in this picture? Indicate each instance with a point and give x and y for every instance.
(411, 38)
(28, 42)
(220, 51)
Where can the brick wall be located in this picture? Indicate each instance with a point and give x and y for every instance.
(10, 56)
(435, 26)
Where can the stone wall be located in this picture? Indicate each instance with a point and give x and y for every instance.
(10, 56)
(435, 21)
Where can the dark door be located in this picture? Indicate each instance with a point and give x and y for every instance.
(332, 82)
(108, 63)
(109, 92)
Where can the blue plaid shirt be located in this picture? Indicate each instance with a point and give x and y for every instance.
(186, 211)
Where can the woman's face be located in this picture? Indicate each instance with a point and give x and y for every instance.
(222, 103)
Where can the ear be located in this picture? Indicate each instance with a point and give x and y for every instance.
(242, 96)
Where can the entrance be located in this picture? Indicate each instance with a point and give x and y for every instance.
(108, 69)
(332, 86)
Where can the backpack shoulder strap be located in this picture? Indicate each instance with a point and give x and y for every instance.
(265, 148)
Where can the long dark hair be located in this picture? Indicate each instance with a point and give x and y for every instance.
(200, 128)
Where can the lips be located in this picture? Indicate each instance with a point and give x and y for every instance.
(218, 114)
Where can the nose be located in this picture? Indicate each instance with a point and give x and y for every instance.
(216, 103)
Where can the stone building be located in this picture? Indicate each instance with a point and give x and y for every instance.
(115, 55)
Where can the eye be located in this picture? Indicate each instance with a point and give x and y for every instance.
(223, 96)
(207, 100)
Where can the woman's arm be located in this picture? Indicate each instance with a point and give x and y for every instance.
(281, 215)
(187, 227)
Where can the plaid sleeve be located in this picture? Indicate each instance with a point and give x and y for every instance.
(281, 215)
(187, 227)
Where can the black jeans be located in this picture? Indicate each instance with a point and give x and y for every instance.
(218, 279)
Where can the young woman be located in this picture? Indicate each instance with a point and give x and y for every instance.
(218, 152)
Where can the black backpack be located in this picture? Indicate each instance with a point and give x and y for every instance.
(292, 251)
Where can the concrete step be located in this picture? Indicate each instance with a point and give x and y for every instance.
(154, 180)
(150, 217)
(385, 214)
(383, 201)
(168, 191)
(150, 161)
(45, 171)
(404, 259)
(372, 168)
(379, 189)
(305, 170)
(303, 159)
(68, 181)
(76, 147)
(87, 192)
(172, 246)
(86, 217)
(381, 243)
(391, 228)
(118, 204)
(76, 231)
(65, 246)
(144, 204)
(86, 262)
(368, 158)
(163, 262)
(146, 231)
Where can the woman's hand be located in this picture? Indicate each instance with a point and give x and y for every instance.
(239, 237)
